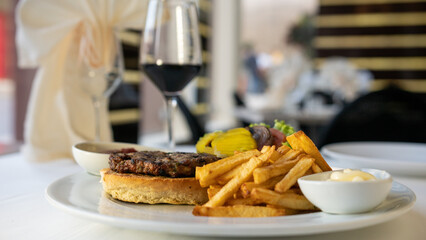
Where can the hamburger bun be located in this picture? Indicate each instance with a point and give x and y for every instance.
(139, 188)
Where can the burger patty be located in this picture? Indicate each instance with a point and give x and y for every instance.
(157, 163)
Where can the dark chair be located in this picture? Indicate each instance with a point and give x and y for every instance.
(387, 115)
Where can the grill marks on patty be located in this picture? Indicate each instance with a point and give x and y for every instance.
(157, 163)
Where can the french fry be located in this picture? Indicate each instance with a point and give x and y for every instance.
(269, 184)
(290, 155)
(212, 190)
(283, 149)
(265, 149)
(209, 172)
(296, 172)
(198, 173)
(300, 141)
(275, 156)
(278, 168)
(263, 174)
(241, 201)
(234, 184)
(308, 172)
(223, 179)
(238, 211)
(316, 168)
(237, 195)
(288, 211)
(286, 200)
(294, 190)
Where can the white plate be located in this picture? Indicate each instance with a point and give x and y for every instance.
(81, 195)
(394, 157)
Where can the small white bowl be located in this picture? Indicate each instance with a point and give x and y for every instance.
(92, 156)
(346, 197)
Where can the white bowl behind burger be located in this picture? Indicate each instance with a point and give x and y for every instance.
(93, 156)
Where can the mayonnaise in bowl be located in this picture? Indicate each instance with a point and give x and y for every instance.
(349, 175)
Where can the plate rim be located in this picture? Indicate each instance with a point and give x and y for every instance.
(225, 230)
(334, 154)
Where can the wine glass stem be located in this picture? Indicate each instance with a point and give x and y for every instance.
(171, 106)
(97, 108)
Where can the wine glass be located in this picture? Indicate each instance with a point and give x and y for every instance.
(101, 67)
(171, 50)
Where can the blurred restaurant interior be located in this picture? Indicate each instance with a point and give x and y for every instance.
(339, 70)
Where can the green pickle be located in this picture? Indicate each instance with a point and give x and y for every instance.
(204, 143)
(225, 144)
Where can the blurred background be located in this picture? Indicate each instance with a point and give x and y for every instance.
(324, 66)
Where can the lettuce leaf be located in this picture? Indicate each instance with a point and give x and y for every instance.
(283, 127)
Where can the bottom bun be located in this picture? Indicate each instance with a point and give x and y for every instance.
(138, 188)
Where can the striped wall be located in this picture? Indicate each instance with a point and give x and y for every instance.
(388, 37)
(125, 112)
(201, 108)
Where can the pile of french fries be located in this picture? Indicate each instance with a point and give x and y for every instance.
(261, 183)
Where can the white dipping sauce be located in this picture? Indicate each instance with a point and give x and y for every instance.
(349, 175)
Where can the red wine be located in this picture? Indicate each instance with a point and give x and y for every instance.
(171, 78)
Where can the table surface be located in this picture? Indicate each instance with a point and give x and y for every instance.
(26, 214)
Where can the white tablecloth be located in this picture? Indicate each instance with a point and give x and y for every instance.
(26, 214)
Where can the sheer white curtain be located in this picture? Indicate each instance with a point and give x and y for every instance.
(59, 114)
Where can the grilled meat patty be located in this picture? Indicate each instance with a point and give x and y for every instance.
(157, 163)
